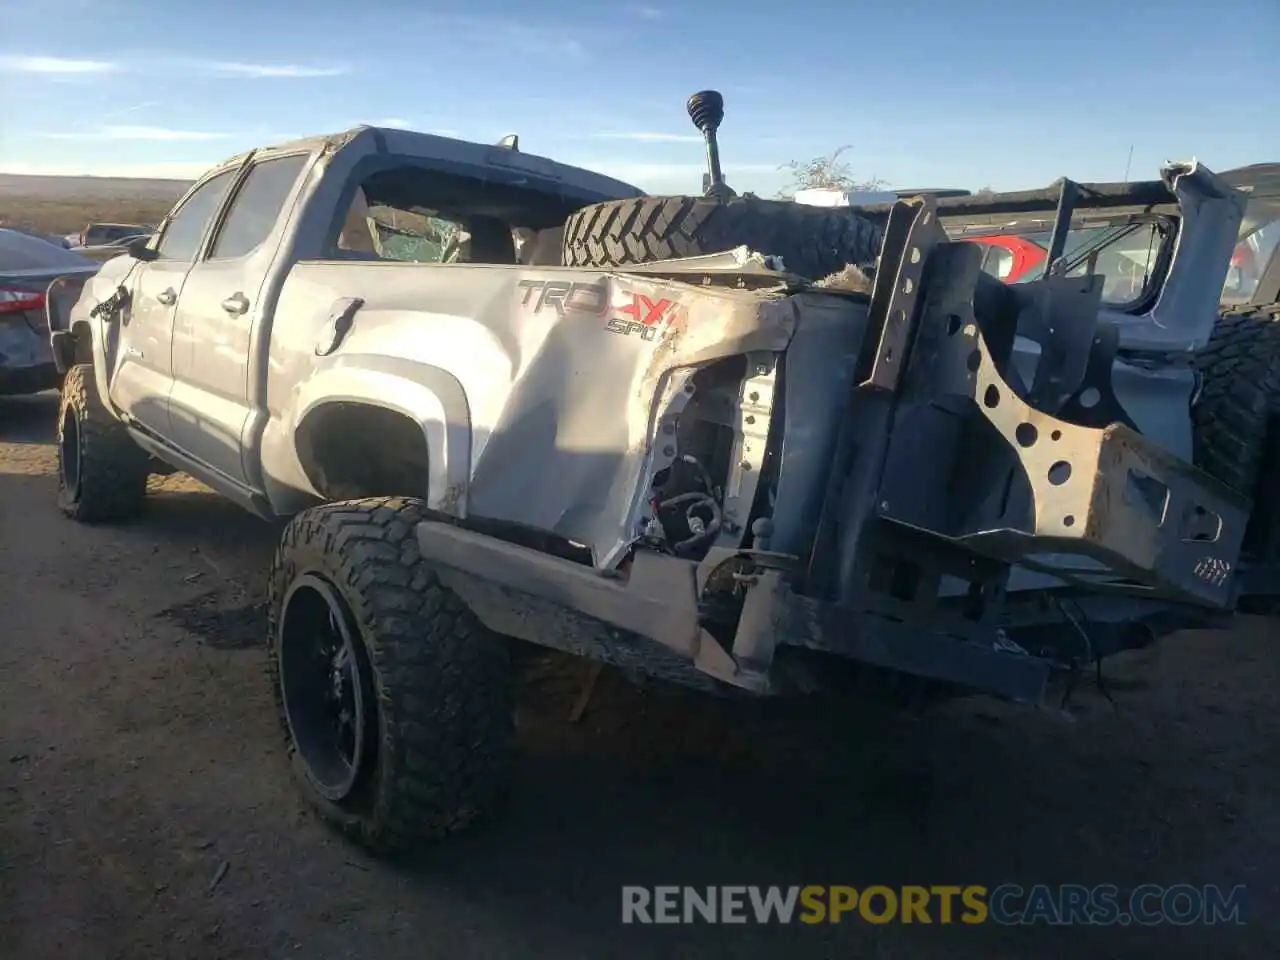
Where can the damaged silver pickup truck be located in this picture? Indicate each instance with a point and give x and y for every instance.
(736, 443)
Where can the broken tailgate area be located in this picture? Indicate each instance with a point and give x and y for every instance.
(942, 472)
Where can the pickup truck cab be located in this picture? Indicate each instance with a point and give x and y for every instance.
(237, 305)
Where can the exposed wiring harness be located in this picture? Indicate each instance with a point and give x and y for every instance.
(701, 516)
(701, 531)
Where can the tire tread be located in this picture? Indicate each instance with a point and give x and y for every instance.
(445, 741)
(813, 242)
(113, 469)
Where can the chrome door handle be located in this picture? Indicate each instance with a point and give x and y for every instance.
(236, 304)
(167, 297)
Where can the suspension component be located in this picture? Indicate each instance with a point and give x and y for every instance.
(706, 110)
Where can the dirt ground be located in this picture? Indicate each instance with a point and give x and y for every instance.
(147, 811)
(62, 205)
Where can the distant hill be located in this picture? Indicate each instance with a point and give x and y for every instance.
(80, 188)
(61, 205)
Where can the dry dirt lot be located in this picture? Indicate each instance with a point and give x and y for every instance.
(62, 205)
(147, 812)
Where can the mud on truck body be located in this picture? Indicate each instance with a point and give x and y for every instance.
(740, 444)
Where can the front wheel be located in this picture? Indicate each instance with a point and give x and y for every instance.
(393, 697)
(102, 473)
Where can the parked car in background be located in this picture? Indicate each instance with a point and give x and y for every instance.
(1010, 257)
(27, 266)
(97, 234)
(31, 231)
(106, 251)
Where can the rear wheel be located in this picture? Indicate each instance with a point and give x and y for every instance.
(813, 242)
(1240, 393)
(102, 473)
(1236, 419)
(392, 695)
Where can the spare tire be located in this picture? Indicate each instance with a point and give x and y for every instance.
(813, 242)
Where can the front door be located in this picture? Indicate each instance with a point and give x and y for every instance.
(143, 373)
(218, 315)
(143, 376)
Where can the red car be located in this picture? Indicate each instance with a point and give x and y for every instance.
(1010, 257)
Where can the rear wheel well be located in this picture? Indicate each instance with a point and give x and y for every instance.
(354, 450)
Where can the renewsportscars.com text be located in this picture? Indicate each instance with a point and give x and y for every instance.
(1007, 904)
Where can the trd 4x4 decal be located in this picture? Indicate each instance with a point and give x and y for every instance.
(627, 312)
(565, 297)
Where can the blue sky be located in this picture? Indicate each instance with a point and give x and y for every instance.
(926, 92)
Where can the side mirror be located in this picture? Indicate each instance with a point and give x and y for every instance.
(139, 249)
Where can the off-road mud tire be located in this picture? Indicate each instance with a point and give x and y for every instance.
(444, 736)
(1236, 416)
(813, 242)
(112, 470)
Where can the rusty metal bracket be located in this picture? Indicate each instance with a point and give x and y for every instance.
(912, 232)
(1107, 493)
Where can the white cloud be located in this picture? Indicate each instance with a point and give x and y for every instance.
(397, 123)
(263, 71)
(55, 66)
(132, 108)
(122, 132)
(644, 137)
(66, 67)
(648, 13)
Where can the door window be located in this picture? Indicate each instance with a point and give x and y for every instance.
(181, 239)
(257, 206)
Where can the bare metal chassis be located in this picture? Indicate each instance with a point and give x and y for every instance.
(945, 470)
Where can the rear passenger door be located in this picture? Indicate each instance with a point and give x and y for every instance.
(218, 315)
